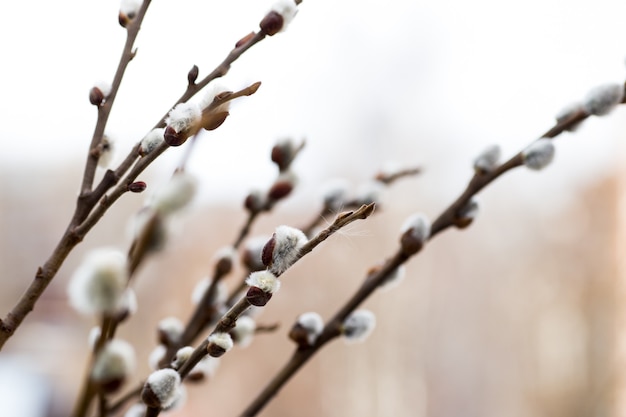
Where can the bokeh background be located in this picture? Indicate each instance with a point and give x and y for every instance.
(519, 315)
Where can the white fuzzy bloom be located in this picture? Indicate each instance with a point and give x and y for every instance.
(107, 151)
(156, 356)
(203, 285)
(161, 388)
(172, 328)
(600, 100)
(264, 280)
(488, 159)
(358, 325)
(538, 154)
(175, 194)
(181, 357)
(130, 7)
(313, 324)
(567, 112)
(287, 9)
(115, 361)
(184, 116)
(244, 330)
(283, 248)
(99, 282)
(151, 141)
(418, 225)
(222, 340)
(137, 410)
(104, 87)
(180, 400)
(394, 279)
(212, 91)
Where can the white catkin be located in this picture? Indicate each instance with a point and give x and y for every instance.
(264, 280)
(419, 225)
(601, 100)
(313, 324)
(288, 242)
(358, 325)
(488, 159)
(164, 383)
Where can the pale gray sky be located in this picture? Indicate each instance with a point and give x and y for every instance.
(366, 82)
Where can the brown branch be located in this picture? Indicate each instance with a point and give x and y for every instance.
(380, 275)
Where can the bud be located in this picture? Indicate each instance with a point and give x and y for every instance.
(219, 343)
(538, 154)
(105, 151)
(113, 364)
(283, 153)
(226, 257)
(182, 355)
(211, 120)
(466, 215)
(99, 282)
(358, 325)
(282, 187)
(283, 249)
(170, 330)
(175, 194)
(487, 160)
(161, 388)
(137, 187)
(307, 329)
(262, 285)
(99, 92)
(279, 17)
(602, 99)
(192, 75)
(181, 121)
(128, 11)
(151, 141)
(415, 232)
(243, 332)
(255, 202)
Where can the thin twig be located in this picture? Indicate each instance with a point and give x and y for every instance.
(380, 275)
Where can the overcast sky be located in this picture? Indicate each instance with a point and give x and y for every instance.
(365, 82)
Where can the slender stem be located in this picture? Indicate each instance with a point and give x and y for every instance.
(375, 279)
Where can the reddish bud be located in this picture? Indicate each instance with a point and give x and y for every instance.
(224, 266)
(279, 190)
(244, 40)
(96, 96)
(137, 187)
(410, 243)
(272, 23)
(192, 75)
(212, 121)
(257, 297)
(125, 19)
(268, 251)
(300, 335)
(173, 138)
(215, 350)
(254, 202)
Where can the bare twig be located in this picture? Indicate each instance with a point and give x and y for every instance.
(380, 275)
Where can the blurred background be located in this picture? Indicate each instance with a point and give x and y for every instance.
(519, 315)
